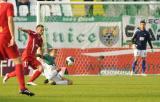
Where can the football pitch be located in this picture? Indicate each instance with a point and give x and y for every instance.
(88, 89)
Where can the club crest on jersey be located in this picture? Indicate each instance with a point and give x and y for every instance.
(109, 35)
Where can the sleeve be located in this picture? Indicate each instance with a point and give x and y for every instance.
(30, 32)
(10, 10)
(149, 41)
(134, 37)
(45, 56)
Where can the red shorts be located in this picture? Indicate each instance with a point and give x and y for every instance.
(32, 62)
(7, 52)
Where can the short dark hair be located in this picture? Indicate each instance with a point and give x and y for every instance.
(142, 21)
(39, 25)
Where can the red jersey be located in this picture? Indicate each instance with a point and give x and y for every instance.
(6, 10)
(34, 42)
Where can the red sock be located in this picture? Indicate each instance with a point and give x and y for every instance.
(35, 76)
(20, 76)
(12, 74)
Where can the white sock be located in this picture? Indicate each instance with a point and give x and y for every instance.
(61, 73)
(64, 82)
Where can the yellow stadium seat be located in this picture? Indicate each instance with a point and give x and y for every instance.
(98, 10)
(78, 10)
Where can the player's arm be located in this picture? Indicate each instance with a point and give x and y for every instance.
(149, 41)
(29, 32)
(58, 69)
(133, 40)
(40, 52)
(11, 29)
(63, 78)
(24, 30)
(10, 15)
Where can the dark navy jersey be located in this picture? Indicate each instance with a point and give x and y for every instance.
(141, 38)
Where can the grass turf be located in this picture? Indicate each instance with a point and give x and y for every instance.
(88, 89)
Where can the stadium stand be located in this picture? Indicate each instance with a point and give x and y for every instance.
(23, 2)
(98, 10)
(82, 10)
(78, 10)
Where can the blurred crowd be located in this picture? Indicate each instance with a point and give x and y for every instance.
(28, 8)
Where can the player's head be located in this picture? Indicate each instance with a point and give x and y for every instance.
(142, 24)
(40, 29)
(53, 52)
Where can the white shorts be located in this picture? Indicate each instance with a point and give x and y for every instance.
(51, 73)
(141, 53)
(59, 75)
(49, 70)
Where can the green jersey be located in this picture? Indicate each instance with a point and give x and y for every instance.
(50, 60)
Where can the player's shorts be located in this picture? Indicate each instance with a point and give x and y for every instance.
(32, 62)
(7, 52)
(141, 53)
(49, 73)
(49, 70)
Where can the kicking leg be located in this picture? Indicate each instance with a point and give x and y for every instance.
(35, 75)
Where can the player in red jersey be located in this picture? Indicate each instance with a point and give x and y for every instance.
(8, 47)
(35, 41)
(29, 54)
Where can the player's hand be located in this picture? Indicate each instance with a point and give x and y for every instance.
(133, 46)
(130, 45)
(12, 42)
(20, 28)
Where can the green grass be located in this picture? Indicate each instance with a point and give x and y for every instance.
(89, 89)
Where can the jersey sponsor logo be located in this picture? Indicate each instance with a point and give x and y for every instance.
(109, 35)
(141, 38)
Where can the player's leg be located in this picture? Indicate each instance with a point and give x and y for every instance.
(70, 82)
(13, 53)
(46, 81)
(62, 71)
(60, 80)
(13, 73)
(143, 55)
(49, 73)
(63, 81)
(36, 65)
(9, 75)
(143, 65)
(19, 72)
(136, 54)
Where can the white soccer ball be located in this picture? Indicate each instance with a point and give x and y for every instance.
(70, 61)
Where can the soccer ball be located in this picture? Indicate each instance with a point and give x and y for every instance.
(70, 61)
